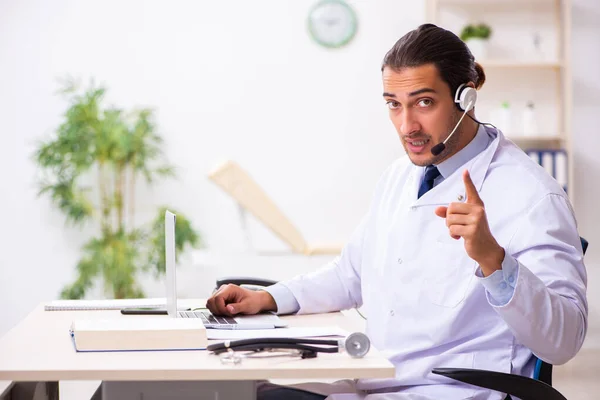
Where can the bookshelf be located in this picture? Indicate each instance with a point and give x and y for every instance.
(528, 61)
(522, 64)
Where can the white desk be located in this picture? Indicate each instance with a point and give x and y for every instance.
(39, 349)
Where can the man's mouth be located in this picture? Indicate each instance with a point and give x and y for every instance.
(416, 145)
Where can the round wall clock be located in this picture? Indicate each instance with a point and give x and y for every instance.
(332, 23)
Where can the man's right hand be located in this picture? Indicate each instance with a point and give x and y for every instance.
(231, 300)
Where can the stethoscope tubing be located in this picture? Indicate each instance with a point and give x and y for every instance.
(324, 345)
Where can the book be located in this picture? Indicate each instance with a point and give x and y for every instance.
(134, 334)
(110, 304)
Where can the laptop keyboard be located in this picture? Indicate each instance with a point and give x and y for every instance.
(207, 317)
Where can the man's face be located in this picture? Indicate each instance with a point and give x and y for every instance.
(422, 110)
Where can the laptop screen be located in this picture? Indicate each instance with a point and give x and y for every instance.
(170, 264)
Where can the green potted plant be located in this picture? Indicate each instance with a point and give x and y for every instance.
(476, 36)
(90, 168)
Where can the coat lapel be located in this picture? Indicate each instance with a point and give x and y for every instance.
(452, 189)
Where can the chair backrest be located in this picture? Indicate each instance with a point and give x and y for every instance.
(584, 244)
(543, 370)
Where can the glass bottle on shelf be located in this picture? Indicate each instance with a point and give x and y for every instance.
(537, 54)
(530, 127)
(504, 119)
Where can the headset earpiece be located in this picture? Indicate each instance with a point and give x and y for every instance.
(465, 97)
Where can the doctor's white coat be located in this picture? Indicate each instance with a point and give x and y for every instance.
(426, 307)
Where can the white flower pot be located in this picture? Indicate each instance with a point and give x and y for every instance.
(478, 48)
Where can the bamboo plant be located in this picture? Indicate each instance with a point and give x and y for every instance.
(90, 168)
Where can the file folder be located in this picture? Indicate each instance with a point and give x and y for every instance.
(554, 162)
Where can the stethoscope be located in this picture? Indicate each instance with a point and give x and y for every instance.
(356, 344)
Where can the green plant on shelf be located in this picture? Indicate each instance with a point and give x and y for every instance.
(89, 168)
(476, 31)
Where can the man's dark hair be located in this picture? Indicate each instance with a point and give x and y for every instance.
(430, 44)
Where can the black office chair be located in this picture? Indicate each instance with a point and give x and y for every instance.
(244, 281)
(525, 388)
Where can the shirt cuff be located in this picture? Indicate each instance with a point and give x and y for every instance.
(500, 285)
(284, 298)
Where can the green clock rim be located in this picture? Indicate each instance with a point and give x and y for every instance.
(353, 28)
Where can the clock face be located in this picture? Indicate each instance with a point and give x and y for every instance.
(332, 23)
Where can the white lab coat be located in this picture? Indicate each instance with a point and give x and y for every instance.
(426, 307)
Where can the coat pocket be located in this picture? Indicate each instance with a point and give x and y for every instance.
(450, 272)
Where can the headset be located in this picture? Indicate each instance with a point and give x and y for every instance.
(465, 99)
(356, 344)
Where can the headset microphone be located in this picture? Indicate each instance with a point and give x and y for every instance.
(437, 149)
(465, 99)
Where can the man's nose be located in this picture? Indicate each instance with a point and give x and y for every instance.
(408, 123)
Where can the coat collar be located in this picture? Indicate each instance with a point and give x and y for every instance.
(452, 189)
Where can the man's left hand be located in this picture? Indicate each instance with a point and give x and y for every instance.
(469, 221)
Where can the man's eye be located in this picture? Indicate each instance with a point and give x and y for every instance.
(393, 105)
(425, 102)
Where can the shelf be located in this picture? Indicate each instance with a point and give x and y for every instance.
(518, 138)
(519, 64)
(550, 71)
(539, 142)
(498, 2)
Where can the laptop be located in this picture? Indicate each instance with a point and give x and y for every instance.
(259, 321)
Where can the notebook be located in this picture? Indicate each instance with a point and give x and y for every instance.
(130, 334)
(110, 304)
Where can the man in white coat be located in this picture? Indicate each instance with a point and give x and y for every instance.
(469, 255)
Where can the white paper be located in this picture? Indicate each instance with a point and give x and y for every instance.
(228, 334)
(109, 304)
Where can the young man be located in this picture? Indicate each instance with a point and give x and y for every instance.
(469, 255)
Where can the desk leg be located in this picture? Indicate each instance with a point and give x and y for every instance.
(214, 390)
(33, 391)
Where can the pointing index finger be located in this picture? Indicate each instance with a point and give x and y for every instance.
(471, 190)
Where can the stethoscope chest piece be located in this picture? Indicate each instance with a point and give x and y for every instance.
(357, 344)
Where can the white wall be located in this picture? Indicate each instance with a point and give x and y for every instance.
(233, 79)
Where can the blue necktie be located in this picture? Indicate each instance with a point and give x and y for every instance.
(431, 172)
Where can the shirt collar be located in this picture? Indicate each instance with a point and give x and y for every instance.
(475, 146)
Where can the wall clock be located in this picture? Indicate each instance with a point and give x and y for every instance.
(332, 23)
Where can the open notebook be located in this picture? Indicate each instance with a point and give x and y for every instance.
(111, 304)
